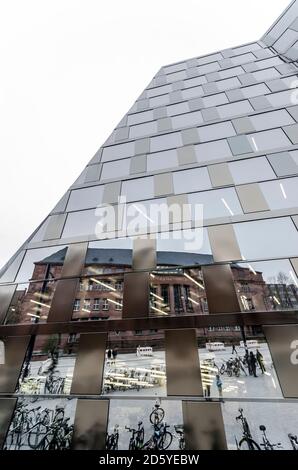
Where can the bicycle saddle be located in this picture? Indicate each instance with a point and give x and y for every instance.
(262, 427)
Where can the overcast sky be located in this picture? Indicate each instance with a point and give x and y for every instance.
(70, 69)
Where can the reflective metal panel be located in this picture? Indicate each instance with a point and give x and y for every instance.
(74, 259)
(63, 300)
(220, 289)
(88, 372)
(14, 349)
(136, 295)
(182, 363)
(7, 406)
(283, 344)
(144, 254)
(224, 243)
(90, 425)
(203, 426)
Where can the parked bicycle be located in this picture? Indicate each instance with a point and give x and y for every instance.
(137, 437)
(161, 438)
(266, 444)
(246, 442)
(112, 439)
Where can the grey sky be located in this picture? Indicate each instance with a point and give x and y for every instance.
(70, 69)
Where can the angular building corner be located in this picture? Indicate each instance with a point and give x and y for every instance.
(166, 278)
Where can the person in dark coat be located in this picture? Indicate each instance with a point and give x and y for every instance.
(114, 354)
(253, 363)
(109, 354)
(234, 349)
(260, 360)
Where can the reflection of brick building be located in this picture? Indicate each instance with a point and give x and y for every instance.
(173, 291)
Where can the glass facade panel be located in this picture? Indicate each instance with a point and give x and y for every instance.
(85, 198)
(281, 194)
(138, 188)
(191, 180)
(251, 170)
(217, 203)
(162, 160)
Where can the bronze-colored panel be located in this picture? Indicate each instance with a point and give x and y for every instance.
(15, 350)
(6, 295)
(203, 426)
(220, 289)
(90, 426)
(136, 295)
(88, 372)
(62, 304)
(7, 406)
(224, 243)
(74, 260)
(144, 254)
(283, 344)
(182, 363)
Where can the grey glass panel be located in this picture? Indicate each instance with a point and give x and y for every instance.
(228, 83)
(242, 107)
(266, 74)
(185, 247)
(292, 132)
(268, 140)
(242, 59)
(266, 285)
(159, 100)
(212, 151)
(9, 274)
(271, 119)
(165, 142)
(284, 98)
(220, 175)
(15, 350)
(195, 81)
(251, 170)
(231, 72)
(6, 295)
(139, 117)
(111, 192)
(287, 39)
(130, 412)
(284, 163)
(143, 129)
(192, 92)
(255, 90)
(85, 198)
(177, 108)
(191, 180)
(271, 238)
(190, 119)
(217, 203)
(251, 198)
(115, 169)
(54, 227)
(158, 91)
(138, 164)
(35, 263)
(136, 295)
(281, 194)
(216, 131)
(62, 304)
(240, 145)
(116, 152)
(48, 367)
(215, 100)
(162, 160)
(138, 189)
(80, 223)
(144, 253)
(74, 259)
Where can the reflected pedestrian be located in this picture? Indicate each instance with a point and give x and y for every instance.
(114, 354)
(260, 360)
(234, 349)
(219, 385)
(109, 354)
(253, 363)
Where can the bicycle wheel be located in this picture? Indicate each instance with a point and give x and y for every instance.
(36, 435)
(156, 416)
(165, 441)
(222, 369)
(248, 444)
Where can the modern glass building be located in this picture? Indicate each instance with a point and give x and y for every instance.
(159, 298)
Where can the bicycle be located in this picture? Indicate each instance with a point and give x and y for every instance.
(137, 438)
(266, 444)
(161, 438)
(54, 385)
(157, 415)
(247, 442)
(293, 440)
(51, 431)
(112, 439)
